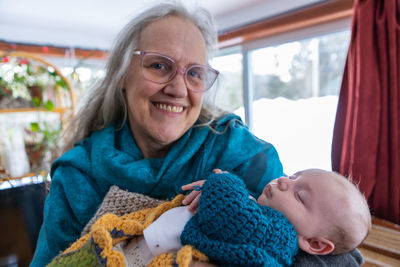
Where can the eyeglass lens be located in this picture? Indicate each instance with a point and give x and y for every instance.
(161, 69)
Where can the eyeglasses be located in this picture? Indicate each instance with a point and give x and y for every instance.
(162, 69)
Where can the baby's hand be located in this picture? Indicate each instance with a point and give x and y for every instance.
(193, 198)
(218, 171)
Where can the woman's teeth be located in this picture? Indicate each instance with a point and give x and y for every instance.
(169, 108)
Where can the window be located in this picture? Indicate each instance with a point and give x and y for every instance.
(230, 82)
(292, 88)
(295, 94)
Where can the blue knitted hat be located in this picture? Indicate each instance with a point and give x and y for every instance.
(232, 229)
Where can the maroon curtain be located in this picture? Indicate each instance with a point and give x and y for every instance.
(366, 140)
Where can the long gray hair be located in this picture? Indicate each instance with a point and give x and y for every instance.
(106, 102)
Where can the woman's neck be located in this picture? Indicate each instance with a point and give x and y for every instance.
(149, 146)
(153, 150)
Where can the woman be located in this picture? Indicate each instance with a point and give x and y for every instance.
(146, 129)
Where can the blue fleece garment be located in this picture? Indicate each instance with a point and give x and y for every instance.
(83, 175)
(234, 230)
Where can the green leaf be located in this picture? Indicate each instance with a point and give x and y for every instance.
(29, 69)
(35, 126)
(49, 105)
(36, 102)
(62, 83)
(18, 78)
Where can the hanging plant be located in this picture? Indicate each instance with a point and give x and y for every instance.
(30, 80)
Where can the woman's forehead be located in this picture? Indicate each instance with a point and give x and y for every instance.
(175, 37)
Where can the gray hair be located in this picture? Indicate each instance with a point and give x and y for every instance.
(106, 102)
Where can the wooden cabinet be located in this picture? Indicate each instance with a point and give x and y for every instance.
(21, 213)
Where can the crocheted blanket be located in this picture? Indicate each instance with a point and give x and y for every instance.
(121, 202)
(121, 218)
(233, 230)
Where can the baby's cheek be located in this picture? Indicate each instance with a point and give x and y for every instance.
(262, 200)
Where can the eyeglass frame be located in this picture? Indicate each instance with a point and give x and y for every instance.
(183, 70)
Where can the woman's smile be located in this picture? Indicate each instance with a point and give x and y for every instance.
(172, 108)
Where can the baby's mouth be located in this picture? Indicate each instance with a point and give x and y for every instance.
(267, 191)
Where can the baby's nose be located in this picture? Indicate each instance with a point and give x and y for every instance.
(283, 183)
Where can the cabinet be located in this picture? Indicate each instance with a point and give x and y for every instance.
(36, 103)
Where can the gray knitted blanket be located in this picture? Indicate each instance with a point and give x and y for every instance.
(121, 202)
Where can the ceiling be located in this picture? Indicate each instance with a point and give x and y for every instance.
(93, 24)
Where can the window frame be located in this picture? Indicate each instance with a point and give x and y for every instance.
(248, 47)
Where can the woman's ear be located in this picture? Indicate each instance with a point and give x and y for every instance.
(316, 245)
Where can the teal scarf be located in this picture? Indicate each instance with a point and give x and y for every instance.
(83, 175)
(113, 158)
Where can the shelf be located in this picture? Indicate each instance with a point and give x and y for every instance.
(14, 110)
(29, 178)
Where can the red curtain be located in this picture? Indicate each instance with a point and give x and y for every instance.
(366, 139)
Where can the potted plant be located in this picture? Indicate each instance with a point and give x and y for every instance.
(28, 81)
(41, 144)
(31, 80)
(4, 89)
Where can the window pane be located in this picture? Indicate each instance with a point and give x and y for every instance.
(230, 92)
(296, 86)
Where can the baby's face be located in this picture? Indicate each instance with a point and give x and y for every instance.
(304, 198)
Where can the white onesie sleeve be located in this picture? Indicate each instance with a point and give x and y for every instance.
(163, 235)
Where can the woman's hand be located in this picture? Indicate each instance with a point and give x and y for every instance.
(192, 200)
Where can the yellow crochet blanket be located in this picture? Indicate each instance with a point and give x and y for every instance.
(96, 247)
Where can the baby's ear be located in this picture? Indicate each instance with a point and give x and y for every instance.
(316, 245)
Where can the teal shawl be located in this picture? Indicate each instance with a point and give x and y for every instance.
(83, 175)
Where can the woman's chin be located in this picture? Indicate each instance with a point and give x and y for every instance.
(168, 135)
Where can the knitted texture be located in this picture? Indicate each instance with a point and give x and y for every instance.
(234, 230)
(121, 202)
(132, 253)
(108, 231)
(85, 256)
(182, 259)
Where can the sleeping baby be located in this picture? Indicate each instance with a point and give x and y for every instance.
(317, 211)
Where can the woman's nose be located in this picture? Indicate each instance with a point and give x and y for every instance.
(177, 86)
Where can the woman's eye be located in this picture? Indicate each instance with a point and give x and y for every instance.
(157, 66)
(196, 73)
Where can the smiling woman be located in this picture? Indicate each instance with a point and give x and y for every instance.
(146, 127)
(150, 135)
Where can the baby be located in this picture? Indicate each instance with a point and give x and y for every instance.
(317, 211)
